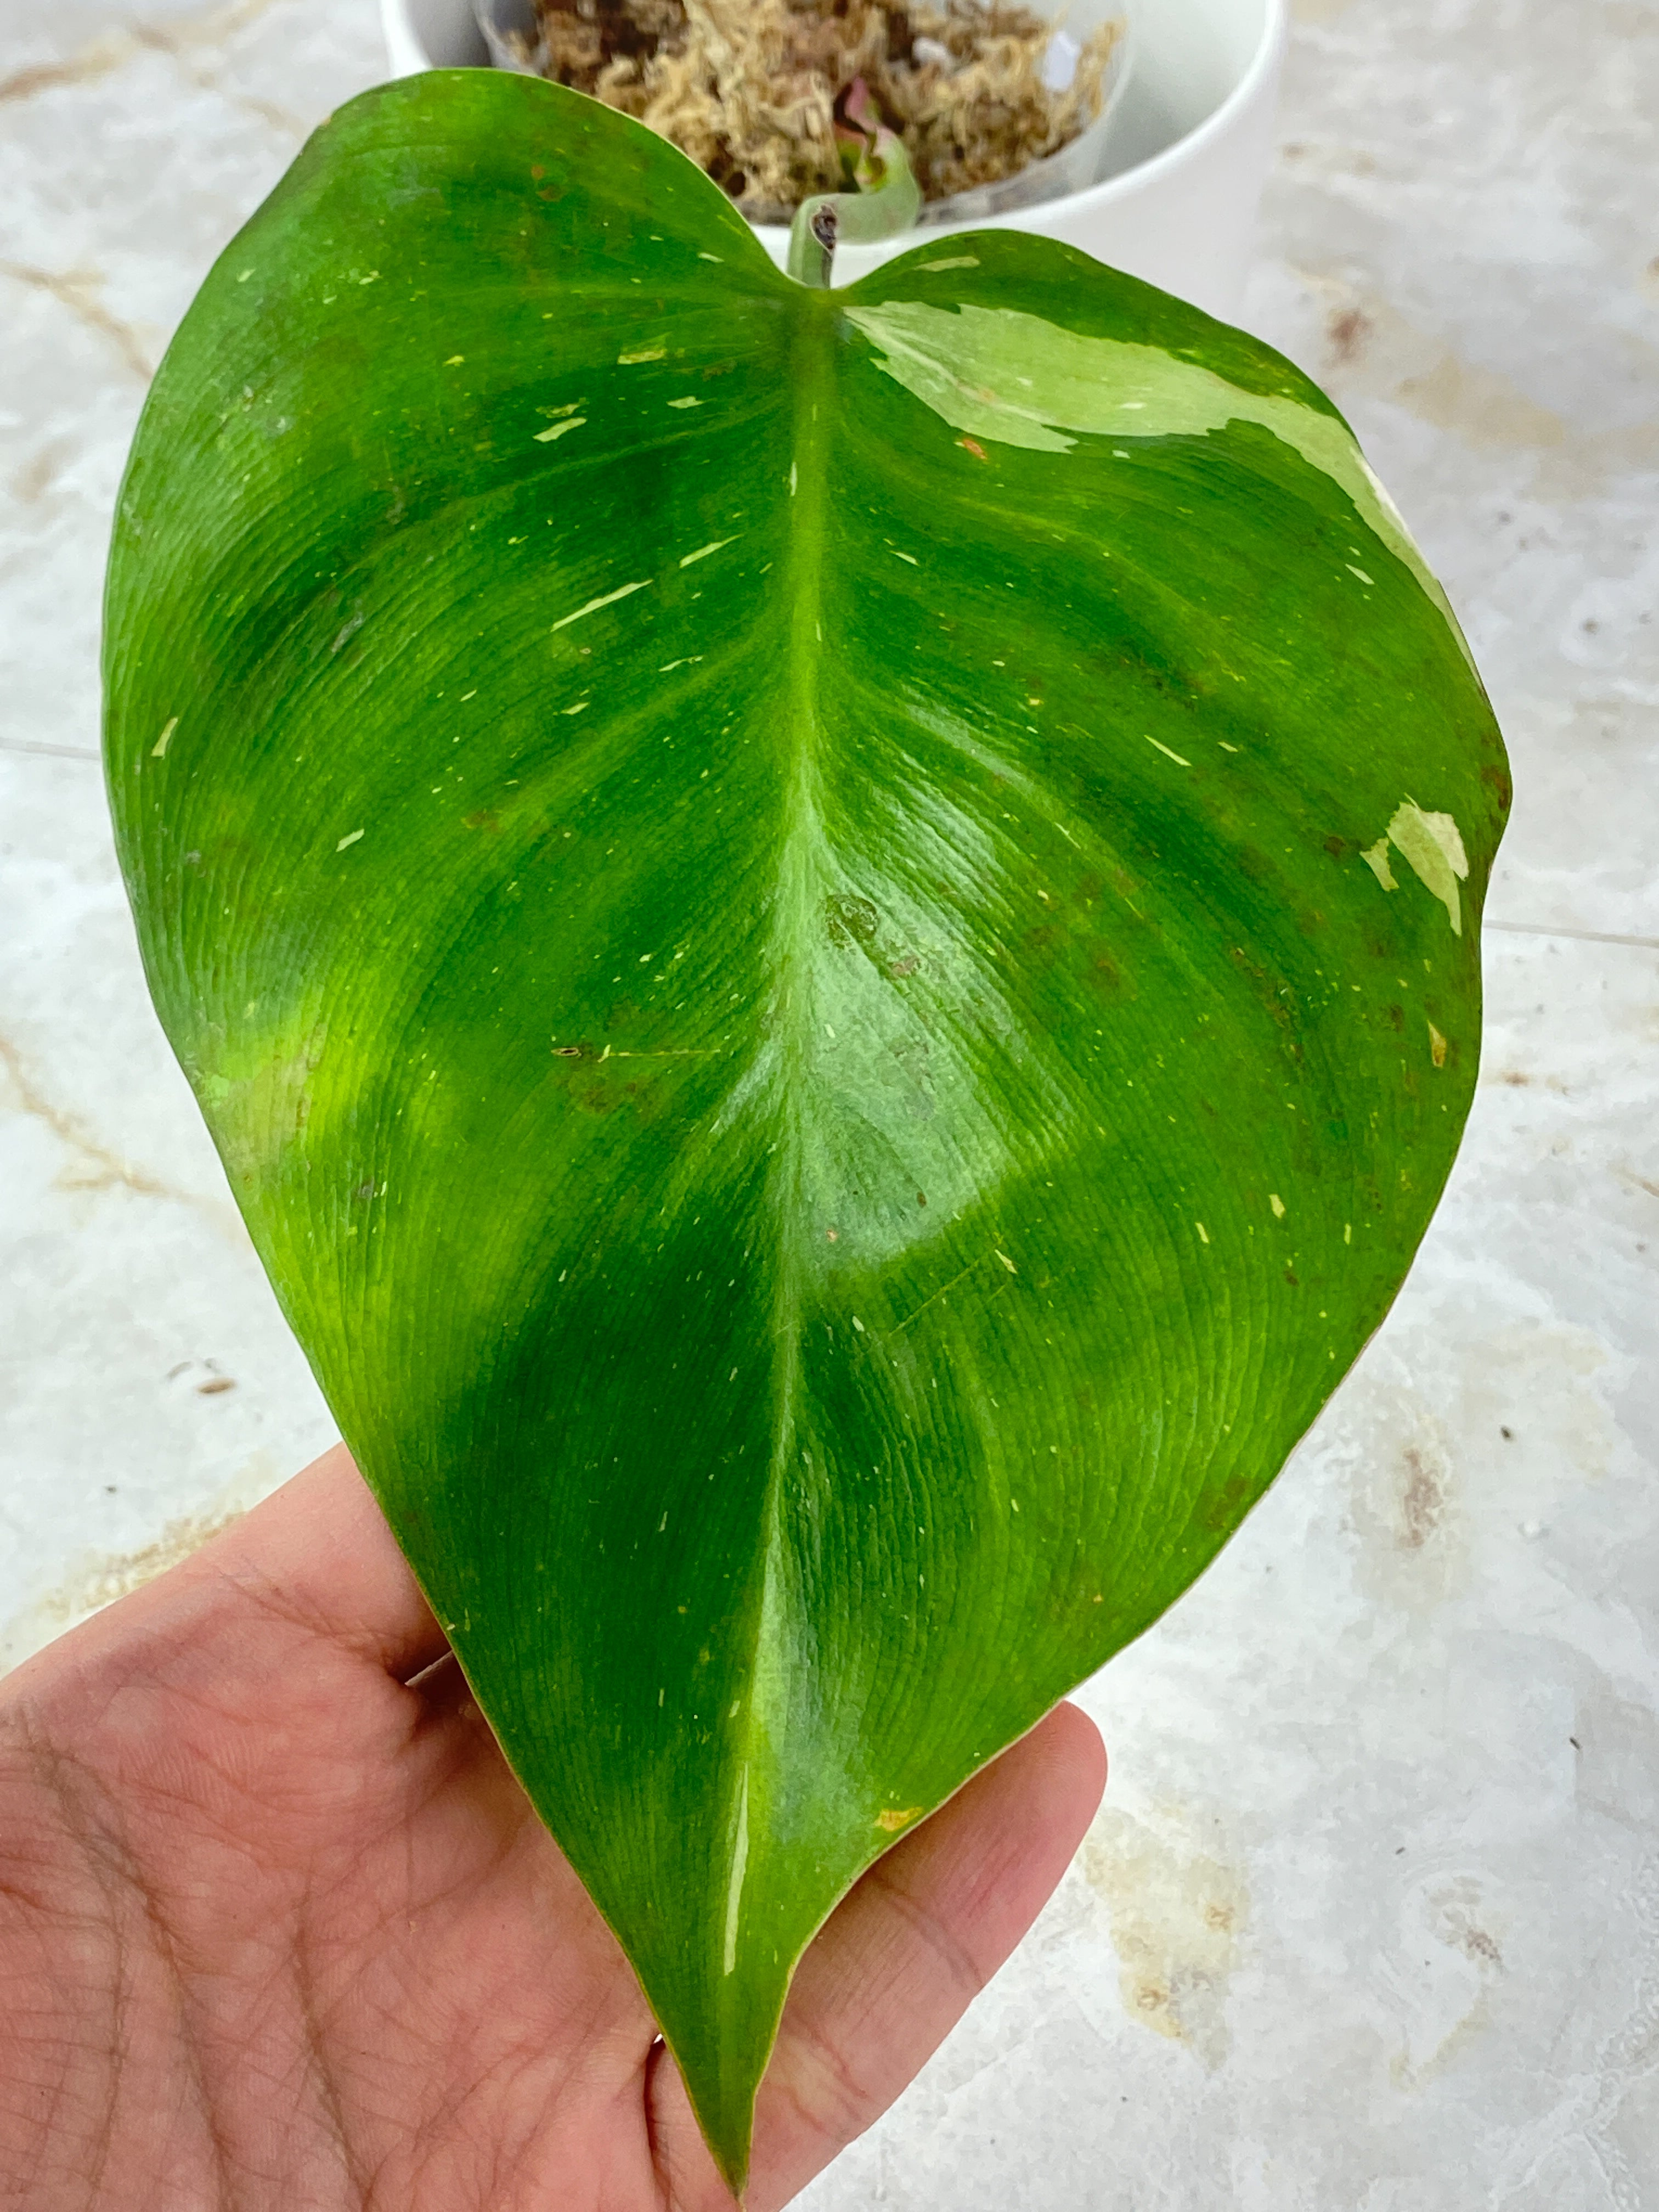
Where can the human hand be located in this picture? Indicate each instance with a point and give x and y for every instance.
(278, 1928)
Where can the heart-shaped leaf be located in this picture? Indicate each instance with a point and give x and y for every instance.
(830, 940)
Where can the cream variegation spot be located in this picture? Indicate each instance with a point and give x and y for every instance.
(1431, 845)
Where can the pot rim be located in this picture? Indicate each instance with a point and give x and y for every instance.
(1259, 69)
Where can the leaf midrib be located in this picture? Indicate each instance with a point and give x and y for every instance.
(788, 1049)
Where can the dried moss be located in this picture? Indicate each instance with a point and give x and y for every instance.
(750, 88)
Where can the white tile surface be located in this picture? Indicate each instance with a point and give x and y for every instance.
(1372, 1918)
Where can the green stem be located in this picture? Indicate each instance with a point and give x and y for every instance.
(860, 218)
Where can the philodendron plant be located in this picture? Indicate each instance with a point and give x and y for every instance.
(830, 939)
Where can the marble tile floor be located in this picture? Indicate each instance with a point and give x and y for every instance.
(1370, 1920)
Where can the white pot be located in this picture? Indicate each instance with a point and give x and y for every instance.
(1190, 144)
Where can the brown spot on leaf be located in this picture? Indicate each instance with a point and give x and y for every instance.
(1223, 1508)
(851, 920)
(1270, 999)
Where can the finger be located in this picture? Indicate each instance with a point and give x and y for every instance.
(901, 1959)
(317, 1555)
(319, 1551)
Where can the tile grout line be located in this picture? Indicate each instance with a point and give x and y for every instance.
(101, 57)
(1582, 935)
(80, 291)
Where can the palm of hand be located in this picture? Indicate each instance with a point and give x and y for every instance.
(278, 1927)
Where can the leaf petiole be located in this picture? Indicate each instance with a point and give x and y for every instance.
(887, 201)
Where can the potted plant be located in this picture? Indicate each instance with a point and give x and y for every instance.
(831, 940)
(1173, 198)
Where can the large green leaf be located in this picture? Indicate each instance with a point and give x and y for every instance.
(831, 942)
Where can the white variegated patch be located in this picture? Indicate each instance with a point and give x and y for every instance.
(1020, 380)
